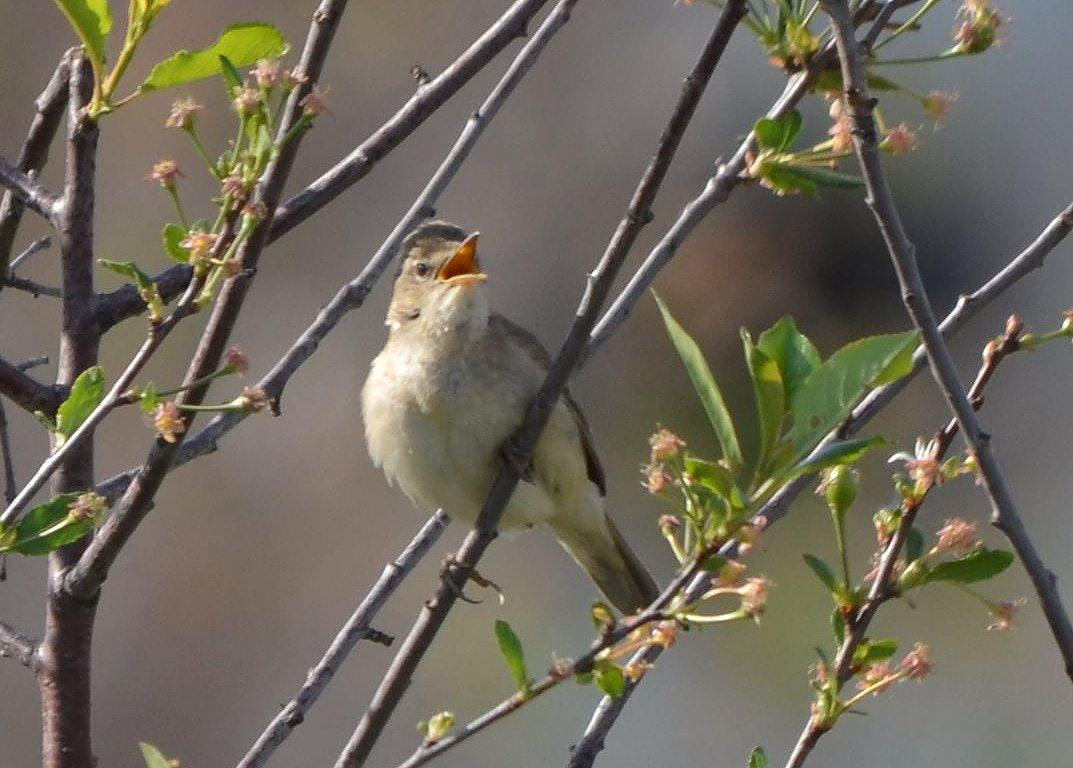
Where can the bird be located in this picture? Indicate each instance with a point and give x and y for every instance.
(451, 387)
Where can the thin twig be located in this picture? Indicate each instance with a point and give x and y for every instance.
(28, 192)
(357, 628)
(50, 105)
(125, 302)
(1005, 515)
(15, 645)
(10, 486)
(31, 287)
(41, 244)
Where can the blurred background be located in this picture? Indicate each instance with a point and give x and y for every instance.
(256, 555)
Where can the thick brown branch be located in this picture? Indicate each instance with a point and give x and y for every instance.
(64, 674)
(26, 391)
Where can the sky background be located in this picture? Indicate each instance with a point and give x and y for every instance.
(255, 556)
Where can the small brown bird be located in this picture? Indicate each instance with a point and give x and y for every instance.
(452, 384)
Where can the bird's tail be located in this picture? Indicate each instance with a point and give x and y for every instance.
(598, 547)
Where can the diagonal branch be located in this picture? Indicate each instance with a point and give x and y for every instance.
(1005, 515)
(124, 303)
(359, 627)
(34, 153)
(26, 391)
(28, 192)
(18, 646)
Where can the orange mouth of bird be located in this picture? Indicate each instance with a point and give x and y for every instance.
(461, 268)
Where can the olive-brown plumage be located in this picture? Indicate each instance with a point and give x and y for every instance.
(452, 385)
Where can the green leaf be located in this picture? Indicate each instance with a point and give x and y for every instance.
(806, 178)
(783, 179)
(711, 475)
(838, 624)
(713, 564)
(230, 74)
(171, 236)
(130, 270)
(823, 572)
(770, 394)
(874, 651)
(153, 757)
(86, 394)
(92, 22)
(792, 351)
(242, 44)
(610, 680)
(778, 134)
(511, 648)
(757, 758)
(831, 80)
(914, 545)
(976, 566)
(704, 385)
(829, 393)
(838, 452)
(48, 526)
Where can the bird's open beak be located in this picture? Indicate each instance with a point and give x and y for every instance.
(461, 268)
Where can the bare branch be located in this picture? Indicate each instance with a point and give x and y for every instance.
(34, 153)
(125, 302)
(357, 628)
(15, 645)
(36, 246)
(429, 97)
(28, 192)
(26, 391)
(1005, 515)
(10, 485)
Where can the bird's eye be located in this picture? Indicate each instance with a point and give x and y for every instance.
(422, 269)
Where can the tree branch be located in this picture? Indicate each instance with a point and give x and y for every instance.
(34, 153)
(357, 628)
(26, 391)
(28, 192)
(66, 649)
(1005, 515)
(125, 303)
(18, 646)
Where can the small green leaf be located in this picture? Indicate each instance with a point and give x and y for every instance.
(798, 177)
(827, 396)
(92, 22)
(778, 134)
(831, 80)
(153, 757)
(770, 395)
(230, 74)
(914, 545)
(838, 624)
(130, 270)
(792, 351)
(704, 385)
(241, 44)
(86, 394)
(874, 651)
(713, 564)
(823, 572)
(148, 398)
(49, 526)
(711, 475)
(757, 758)
(511, 648)
(171, 236)
(976, 566)
(838, 452)
(610, 680)
(783, 179)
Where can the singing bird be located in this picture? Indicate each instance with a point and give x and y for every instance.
(449, 388)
